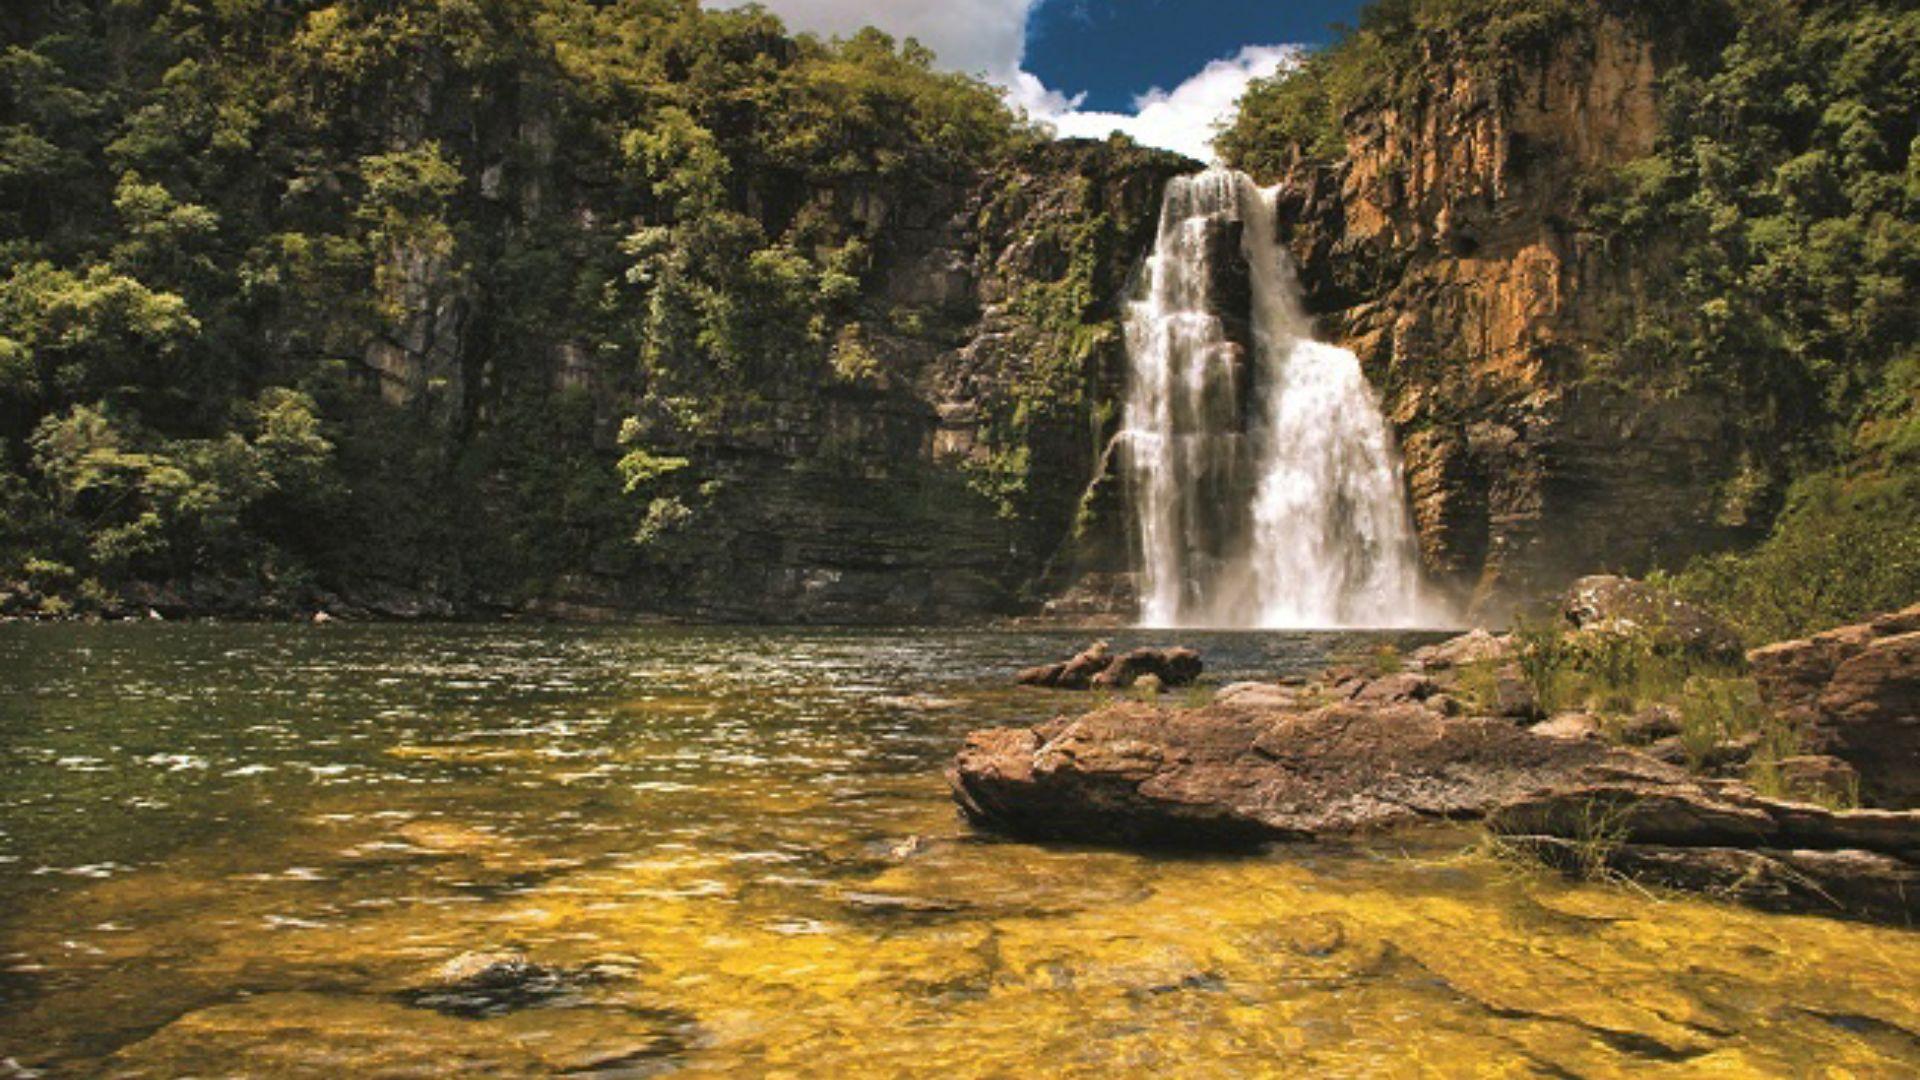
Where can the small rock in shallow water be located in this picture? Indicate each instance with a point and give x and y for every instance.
(908, 848)
(482, 970)
(1097, 667)
(482, 984)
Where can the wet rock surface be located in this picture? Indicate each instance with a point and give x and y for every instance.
(483, 984)
(1098, 668)
(1856, 691)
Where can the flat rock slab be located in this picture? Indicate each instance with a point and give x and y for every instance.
(1227, 774)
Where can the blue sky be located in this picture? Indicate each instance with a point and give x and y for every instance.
(1113, 51)
(1164, 71)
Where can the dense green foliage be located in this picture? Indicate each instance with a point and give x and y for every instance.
(285, 284)
(1776, 227)
(1848, 542)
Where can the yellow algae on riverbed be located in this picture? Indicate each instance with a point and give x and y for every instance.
(988, 959)
(783, 889)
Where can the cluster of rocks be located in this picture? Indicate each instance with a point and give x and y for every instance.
(1352, 752)
(1098, 667)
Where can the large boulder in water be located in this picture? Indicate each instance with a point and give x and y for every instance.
(1096, 667)
(1855, 691)
(1227, 774)
(1235, 775)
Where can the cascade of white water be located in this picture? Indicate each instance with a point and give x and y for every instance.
(1266, 486)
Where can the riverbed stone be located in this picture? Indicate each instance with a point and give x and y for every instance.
(1259, 695)
(1395, 689)
(1854, 882)
(1513, 696)
(1650, 725)
(1097, 668)
(1723, 837)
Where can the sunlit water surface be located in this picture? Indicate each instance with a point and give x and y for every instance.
(234, 851)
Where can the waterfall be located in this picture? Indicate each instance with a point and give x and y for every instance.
(1265, 483)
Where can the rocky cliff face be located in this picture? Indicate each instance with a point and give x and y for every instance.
(962, 474)
(957, 472)
(1444, 250)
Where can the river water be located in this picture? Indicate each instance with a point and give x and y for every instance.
(244, 851)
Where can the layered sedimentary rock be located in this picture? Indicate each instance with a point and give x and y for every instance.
(1855, 691)
(1443, 250)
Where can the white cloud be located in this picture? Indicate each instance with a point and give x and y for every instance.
(988, 38)
(980, 37)
(1184, 117)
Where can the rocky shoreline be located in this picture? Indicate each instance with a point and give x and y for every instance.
(1354, 754)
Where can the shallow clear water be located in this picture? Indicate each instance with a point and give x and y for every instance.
(234, 851)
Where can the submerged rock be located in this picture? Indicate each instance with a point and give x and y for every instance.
(482, 984)
(1096, 667)
(1856, 692)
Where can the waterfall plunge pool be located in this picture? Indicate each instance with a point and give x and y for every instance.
(238, 850)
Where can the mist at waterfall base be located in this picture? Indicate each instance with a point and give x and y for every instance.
(1265, 483)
